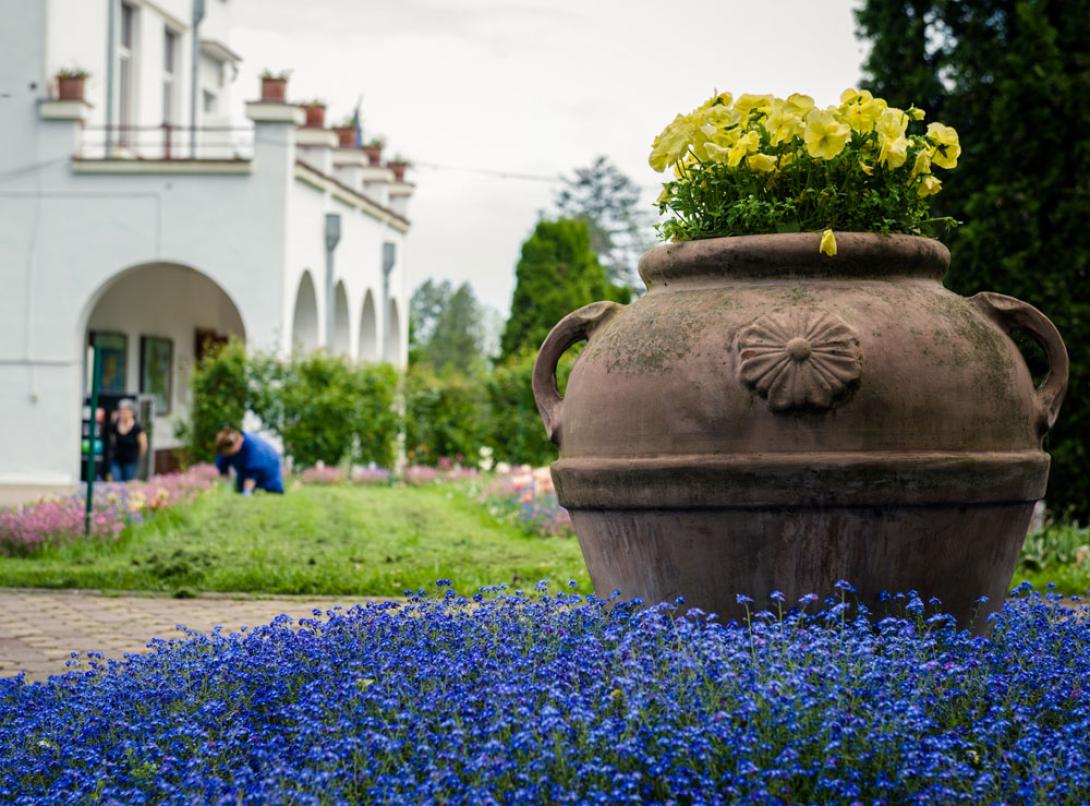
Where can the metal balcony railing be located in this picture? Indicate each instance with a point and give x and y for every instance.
(166, 142)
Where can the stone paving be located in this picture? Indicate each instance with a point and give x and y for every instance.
(39, 629)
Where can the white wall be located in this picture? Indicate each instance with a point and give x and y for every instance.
(64, 236)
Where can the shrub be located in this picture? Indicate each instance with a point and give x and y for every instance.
(444, 416)
(324, 409)
(515, 428)
(220, 398)
(531, 699)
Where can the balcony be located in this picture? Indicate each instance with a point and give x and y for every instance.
(166, 147)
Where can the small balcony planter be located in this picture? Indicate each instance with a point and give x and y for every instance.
(315, 111)
(70, 85)
(274, 87)
(398, 166)
(781, 411)
(346, 136)
(373, 150)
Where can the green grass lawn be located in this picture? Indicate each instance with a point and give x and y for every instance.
(337, 540)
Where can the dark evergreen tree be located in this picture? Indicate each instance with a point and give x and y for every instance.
(557, 272)
(1013, 78)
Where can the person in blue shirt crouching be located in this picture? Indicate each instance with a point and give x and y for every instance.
(255, 461)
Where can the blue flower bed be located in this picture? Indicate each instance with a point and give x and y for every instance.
(556, 698)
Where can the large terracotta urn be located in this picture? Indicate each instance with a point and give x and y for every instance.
(770, 418)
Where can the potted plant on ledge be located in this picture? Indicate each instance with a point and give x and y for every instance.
(373, 150)
(274, 86)
(399, 165)
(346, 133)
(315, 114)
(798, 399)
(70, 84)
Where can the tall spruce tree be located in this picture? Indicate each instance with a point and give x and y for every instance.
(556, 273)
(620, 229)
(1013, 77)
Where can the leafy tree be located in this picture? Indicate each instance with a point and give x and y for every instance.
(425, 308)
(447, 327)
(557, 272)
(620, 229)
(458, 336)
(1012, 76)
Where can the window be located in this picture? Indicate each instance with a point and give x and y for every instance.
(208, 102)
(156, 371)
(126, 74)
(170, 61)
(113, 350)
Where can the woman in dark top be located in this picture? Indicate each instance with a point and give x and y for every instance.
(130, 443)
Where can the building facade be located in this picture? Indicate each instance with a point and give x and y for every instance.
(143, 218)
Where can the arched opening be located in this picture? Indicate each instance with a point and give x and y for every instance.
(152, 325)
(342, 327)
(304, 322)
(368, 342)
(391, 352)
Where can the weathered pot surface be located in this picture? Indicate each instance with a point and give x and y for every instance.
(769, 418)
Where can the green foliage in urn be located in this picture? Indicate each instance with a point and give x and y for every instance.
(1013, 78)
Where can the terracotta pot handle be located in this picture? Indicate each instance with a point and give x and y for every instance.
(575, 327)
(1013, 314)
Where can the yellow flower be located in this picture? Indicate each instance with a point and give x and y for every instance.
(851, 95)
(867, 169)
(947, 147)
(761, 163)
(825, 136)
(891, 125)
(671, 144)
(747, 102)
(747, 144)
(860, 109)
(929, 186)
(916, 113)
(717, 120)
(716, 152)
(828, 243)
(922, 164)
(799, 104)
(783, 123)
(718, 99)
(894, 153)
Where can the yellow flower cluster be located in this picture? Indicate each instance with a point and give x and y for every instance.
(765, 135)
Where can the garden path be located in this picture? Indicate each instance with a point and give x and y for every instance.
(39, 629)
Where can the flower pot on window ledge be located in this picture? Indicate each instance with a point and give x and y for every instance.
(274, 89)
(374, 153)
(346, 136)
(70, 87)
(398, 167)
(770, 418)
(315, 115)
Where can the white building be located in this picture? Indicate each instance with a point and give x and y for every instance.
(149, 224)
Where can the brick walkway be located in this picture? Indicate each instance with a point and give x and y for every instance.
(38, 629)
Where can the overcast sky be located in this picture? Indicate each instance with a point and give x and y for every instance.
(531, 87)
